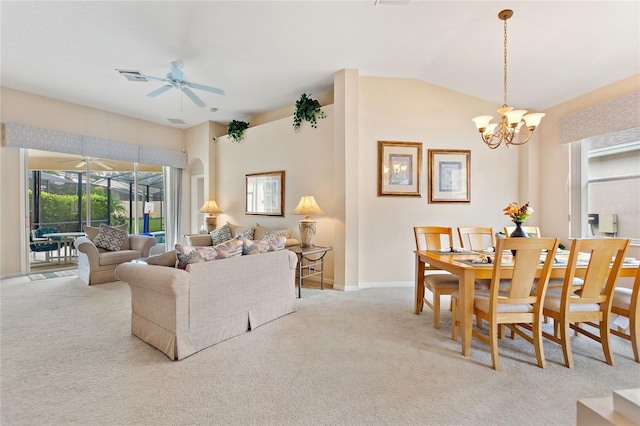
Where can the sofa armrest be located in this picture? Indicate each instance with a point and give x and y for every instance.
(163, 279)
(142, 243)
(199, 240)
(86, 246)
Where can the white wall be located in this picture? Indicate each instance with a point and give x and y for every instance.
(306, 156)
(413, 111)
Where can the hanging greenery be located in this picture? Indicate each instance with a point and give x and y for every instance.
(236, 130)
(307, 109)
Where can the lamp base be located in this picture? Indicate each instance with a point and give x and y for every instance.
(307, 232)
(211, 223)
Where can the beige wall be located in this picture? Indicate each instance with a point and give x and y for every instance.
(554, 159)
(37, 111)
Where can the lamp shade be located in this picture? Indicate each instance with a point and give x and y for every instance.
(307, 206)
(210, 206)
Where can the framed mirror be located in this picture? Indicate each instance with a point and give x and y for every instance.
(265, 194)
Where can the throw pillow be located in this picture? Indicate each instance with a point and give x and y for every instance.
(229, 248)
(247, 231)
(253, 247)
(221, 235)
(92, 233)
(276, 241)
(262, 232)
(187, 255)
(110, 238)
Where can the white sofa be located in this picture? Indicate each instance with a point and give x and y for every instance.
(183, 311)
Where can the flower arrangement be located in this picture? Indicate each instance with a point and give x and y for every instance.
(518, 213)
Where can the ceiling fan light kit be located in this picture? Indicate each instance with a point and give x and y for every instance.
(174, 79)
(516, 127)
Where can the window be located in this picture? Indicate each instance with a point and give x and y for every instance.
(606, 186)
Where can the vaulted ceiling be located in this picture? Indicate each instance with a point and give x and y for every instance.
(264, 54)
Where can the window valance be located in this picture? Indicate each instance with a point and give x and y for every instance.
(20, 136)
(607, 117)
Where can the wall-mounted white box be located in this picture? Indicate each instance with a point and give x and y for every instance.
(608, 223)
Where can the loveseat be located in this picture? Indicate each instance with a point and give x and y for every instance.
(96, 265)
(182, 311)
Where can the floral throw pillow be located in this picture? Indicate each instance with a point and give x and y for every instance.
(245, 233)
(229, 248)
(109, 238)
(187, 255)
(276, 241)
(253, 247)
(221, 235)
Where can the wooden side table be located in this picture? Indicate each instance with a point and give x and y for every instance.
(310, 263)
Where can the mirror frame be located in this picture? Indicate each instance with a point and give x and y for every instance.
(275, 198)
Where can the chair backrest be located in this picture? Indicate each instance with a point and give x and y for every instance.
(601, 273)
(531, 231)
(476, 237)
(430, 237)
(525, 265)
(46, 230)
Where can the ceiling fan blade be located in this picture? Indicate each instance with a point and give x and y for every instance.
(81, 164)
(196, 100)
(207, 88)
(138, 76)
(159, 91)
(150, 77)
(103, 164)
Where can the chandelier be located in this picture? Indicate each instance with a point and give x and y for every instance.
(516, 126)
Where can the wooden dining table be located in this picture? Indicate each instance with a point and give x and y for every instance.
(467, 274)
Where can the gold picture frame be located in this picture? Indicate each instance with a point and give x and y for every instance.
(449, 176)
(399, 165)
(264, 194)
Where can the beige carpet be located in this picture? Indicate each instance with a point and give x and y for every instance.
(358, 358)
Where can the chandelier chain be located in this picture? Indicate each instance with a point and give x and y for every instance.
(505, 62)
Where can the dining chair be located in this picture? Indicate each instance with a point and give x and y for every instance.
(531, 231)
(589, 302)
(476, 238)
(625, 303)
(439, 284)
(514, 306)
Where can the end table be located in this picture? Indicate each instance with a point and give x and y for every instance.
(310, 263)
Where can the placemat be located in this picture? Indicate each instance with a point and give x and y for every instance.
(467, 253)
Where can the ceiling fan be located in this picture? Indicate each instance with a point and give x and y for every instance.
(98, 162)
(175, 79)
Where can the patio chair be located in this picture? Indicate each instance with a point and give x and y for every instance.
(39, 244)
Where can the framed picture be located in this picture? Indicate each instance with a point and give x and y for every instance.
(399, 166)
(449, 176)
(265, 194)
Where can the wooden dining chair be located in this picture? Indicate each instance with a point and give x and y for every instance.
(515, 306)
(625, 303)
(476, 238)
(531, 231)
(589, 302)
(439, 284)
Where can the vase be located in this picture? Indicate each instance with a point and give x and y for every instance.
(518, 233)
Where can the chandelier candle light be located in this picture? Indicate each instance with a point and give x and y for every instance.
(212, 208)
(307, 206)
(512, 121)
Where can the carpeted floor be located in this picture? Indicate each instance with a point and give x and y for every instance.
(47, 275)
(355, 358)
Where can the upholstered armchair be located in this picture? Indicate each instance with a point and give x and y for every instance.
(96, 265)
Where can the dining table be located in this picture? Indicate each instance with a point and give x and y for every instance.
(461, 264)
(67, 239)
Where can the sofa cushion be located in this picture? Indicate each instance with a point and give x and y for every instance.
(92, 232)
(117, 257)
(262, 232)
(199, 240)
(253, 247)
(229, 248)
(110, 238)
(221, 235)
(276, 241)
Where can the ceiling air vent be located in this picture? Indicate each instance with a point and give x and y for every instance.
(133, 75)
(176, 121)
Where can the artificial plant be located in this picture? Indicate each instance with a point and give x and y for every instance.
(236, 130)
(307, 109)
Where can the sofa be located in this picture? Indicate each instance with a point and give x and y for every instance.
(182, 311)
(96, 265)
(229, 230)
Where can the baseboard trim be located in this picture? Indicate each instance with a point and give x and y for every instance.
(387, 284)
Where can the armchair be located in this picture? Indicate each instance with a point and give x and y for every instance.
(97, 265)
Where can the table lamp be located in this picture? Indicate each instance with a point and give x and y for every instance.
(307, 206)
(212, 208)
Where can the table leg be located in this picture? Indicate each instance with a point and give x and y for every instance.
(419, 285)
(299, 277)
(466, 286)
